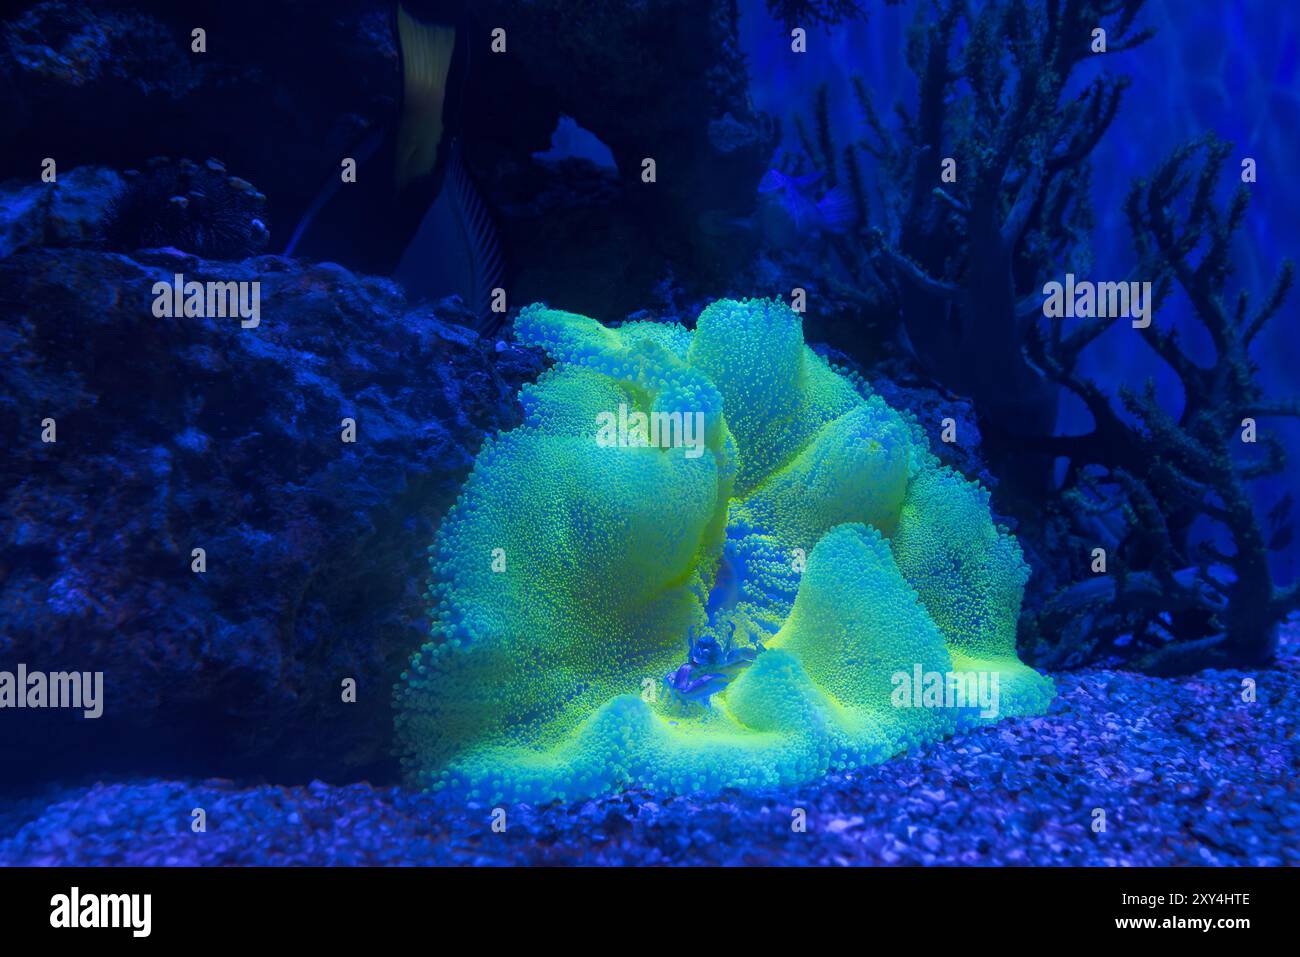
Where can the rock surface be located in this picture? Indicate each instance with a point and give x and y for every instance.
(182, 433)
(66, 212)
(117, 84)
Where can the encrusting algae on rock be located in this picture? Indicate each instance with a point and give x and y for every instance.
(813, 559)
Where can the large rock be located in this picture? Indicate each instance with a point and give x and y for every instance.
(63, 213)
(282, 91)
(287, 88)
(182, 433)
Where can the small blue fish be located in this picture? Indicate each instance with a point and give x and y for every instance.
(833, 212)
(711, 666)
(693, 685)
(705, 650)
(736, 661)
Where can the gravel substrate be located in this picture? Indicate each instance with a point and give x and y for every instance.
(1184, 769)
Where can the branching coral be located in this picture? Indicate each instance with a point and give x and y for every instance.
(1188, 598)
(958, 262)
(961, 266)
(961, 263)
(571, 576)
(807, 13)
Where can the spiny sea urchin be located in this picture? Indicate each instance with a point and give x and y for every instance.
(199, 208)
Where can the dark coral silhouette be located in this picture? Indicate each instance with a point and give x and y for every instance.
(960, 267)
(1164, 474)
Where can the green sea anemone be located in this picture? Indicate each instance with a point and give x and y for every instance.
(805, 519)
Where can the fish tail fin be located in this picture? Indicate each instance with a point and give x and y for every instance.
(367, 148)
(838, 209)
(772, 180)
(487, 268)
(427, 50)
